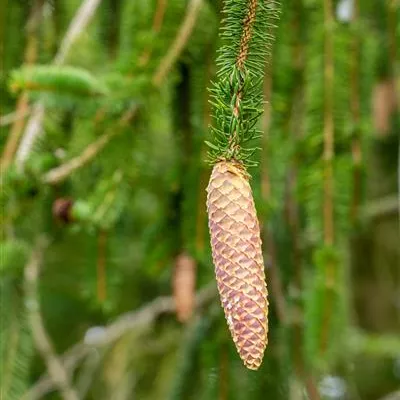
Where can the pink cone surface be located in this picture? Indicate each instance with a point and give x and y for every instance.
(238, 261)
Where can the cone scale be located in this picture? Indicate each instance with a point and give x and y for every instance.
(238, 261)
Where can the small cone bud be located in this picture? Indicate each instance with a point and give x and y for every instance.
(184, 286)
(237, 256)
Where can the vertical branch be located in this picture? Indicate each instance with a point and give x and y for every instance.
(297, 126)
(101, 265)
(275, 280)
(328, 152)
(157, 24)
(22, 103)
(328, 155)
(41, 339)
(355, 113)
(180, 41)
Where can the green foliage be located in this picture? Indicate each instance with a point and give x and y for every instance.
(66, 80)
(140, 201)
(325, 323)
(16, 349)
(236, 96)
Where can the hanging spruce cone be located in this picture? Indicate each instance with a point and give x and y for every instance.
(239, 267)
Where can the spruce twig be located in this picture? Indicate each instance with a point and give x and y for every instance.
(237, 95)
(42, 341)
(233, 224)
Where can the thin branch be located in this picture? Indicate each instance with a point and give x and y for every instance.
(58, 174)
(180, 41)
(157, 24)
(328, 152)
(293, 207)
(328, 155)
(32, 131)
(140, 318)
(355, 113)
(10, 118)
(80, 21)
(34, 127)
(41, 339)
(23, 102)
(381, 207)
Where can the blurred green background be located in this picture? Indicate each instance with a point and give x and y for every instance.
(107, 287)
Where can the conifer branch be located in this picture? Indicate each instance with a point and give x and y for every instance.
(42, 341)
(34, 126)
(58, 174)
(129, 321)
(180, 41)
(237, 95)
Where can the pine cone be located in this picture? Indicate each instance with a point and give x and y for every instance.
(237, 255)
(184, 286)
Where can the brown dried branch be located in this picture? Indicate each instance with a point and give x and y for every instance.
(180, 41)
(143, 317)
(42, 341)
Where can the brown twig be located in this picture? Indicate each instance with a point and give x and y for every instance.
(328, 155)
(140, 318)
(247, 33)
(41, 339)
(22, 108)
(157, 24)
(180, 41)
(101, 266)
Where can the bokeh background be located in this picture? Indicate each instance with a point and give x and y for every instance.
(107, 287)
